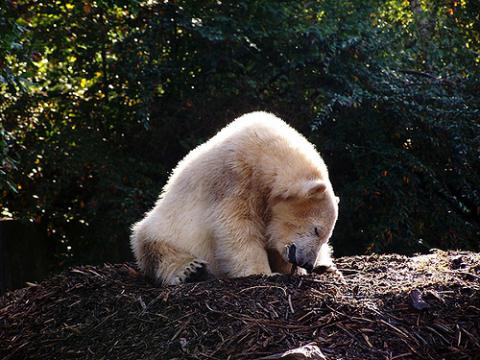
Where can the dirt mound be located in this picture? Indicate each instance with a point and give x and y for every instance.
(390, 307)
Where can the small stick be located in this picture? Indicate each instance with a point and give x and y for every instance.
(290, 303)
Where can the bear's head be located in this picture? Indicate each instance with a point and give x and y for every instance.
(302, 220)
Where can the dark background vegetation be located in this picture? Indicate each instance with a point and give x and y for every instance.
(100, 99)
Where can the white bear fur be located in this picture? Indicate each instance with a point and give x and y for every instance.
(234, 203)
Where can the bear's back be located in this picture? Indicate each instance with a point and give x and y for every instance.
(256, 142)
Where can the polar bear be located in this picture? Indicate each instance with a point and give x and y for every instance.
(254, 199)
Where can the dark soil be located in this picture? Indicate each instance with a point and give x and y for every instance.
(391, 307)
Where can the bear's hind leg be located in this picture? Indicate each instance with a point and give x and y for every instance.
(168, 265)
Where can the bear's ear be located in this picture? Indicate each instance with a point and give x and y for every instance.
(301, 190)
(314, 188)
(337, 199)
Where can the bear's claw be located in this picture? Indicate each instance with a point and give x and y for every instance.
(196, 271)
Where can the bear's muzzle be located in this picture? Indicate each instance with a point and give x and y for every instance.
(292, 257)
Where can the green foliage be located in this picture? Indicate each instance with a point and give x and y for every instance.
(10, 85)
(104, 97)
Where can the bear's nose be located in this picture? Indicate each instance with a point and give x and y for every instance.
(291, 253)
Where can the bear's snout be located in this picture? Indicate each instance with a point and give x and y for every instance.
(297, 260)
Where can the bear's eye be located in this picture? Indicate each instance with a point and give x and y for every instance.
(316, 231)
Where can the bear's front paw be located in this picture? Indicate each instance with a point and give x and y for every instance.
(195, 271)
(330, 269)
(322, 269)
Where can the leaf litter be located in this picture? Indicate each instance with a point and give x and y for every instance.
(387, 307)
